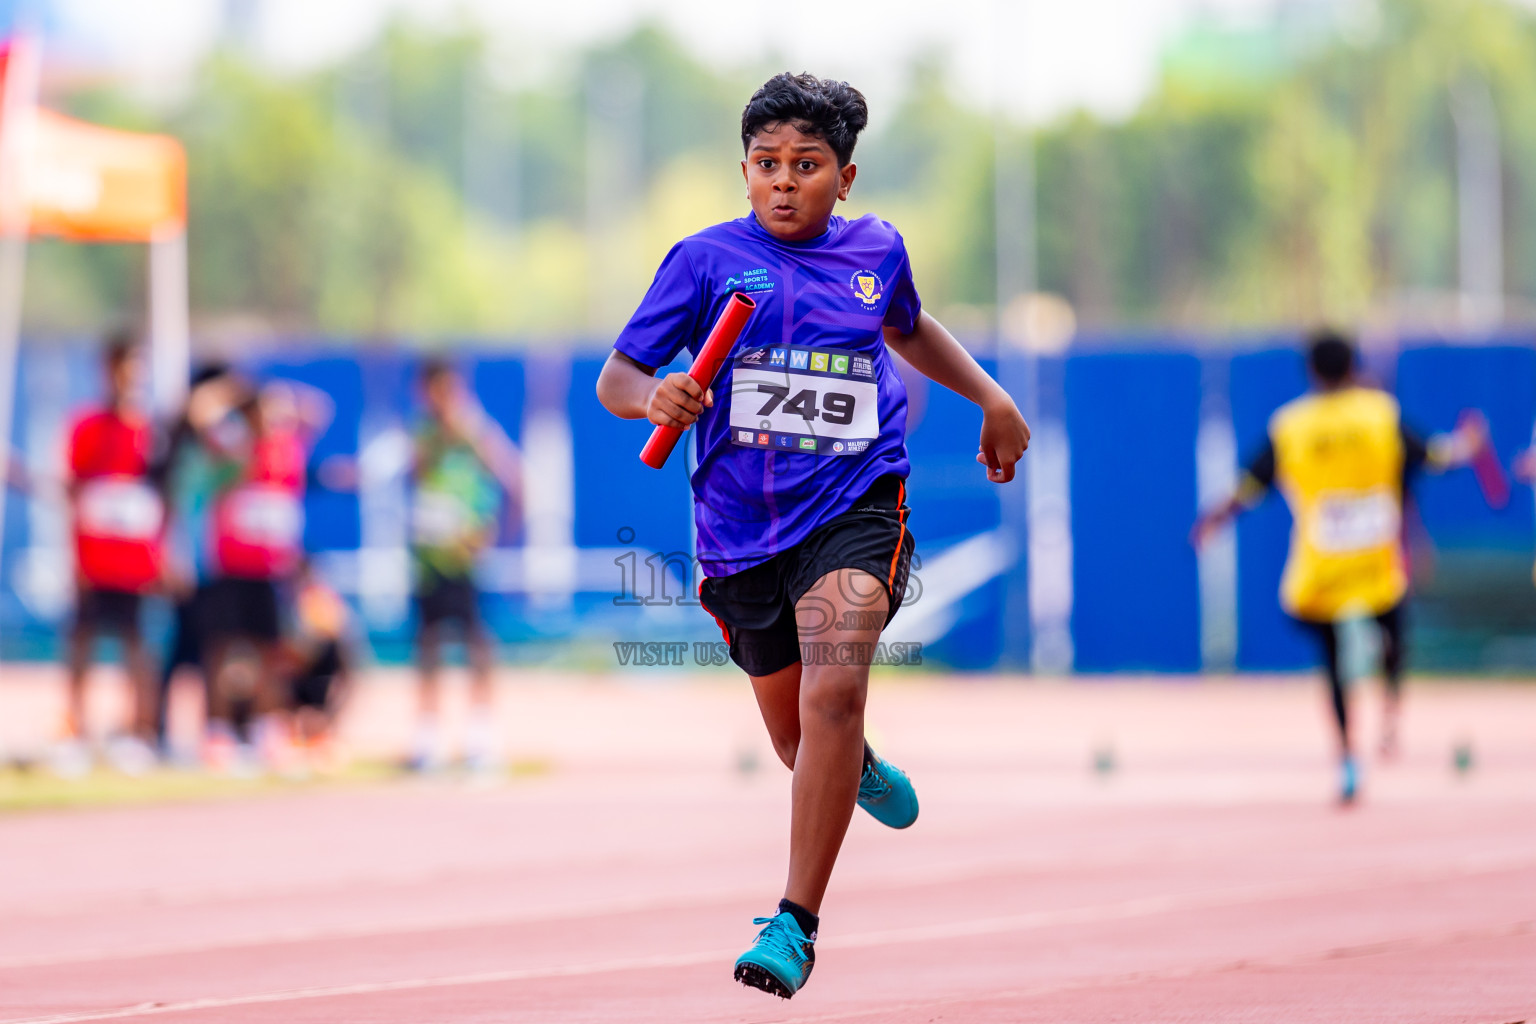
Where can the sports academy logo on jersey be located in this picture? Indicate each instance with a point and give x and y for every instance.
(754, 281)
(867, 287)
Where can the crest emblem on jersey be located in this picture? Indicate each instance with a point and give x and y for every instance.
(867, 286)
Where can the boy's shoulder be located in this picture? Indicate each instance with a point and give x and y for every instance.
(863, 230)
(870, 226)
(727, 231)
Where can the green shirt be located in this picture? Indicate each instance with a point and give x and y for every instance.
(454, 505)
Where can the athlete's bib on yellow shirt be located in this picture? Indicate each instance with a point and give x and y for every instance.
(1339, 463)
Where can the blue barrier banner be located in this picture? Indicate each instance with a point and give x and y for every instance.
(1268, 640)
(1434, 385)
(603, 549)
(1132, 420)
(963, 553)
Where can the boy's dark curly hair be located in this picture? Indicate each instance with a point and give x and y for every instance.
(834, 111)
(1331, 354)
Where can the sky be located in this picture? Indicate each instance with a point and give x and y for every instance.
(1037, 58)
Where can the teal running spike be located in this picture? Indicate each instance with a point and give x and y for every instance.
(887, 793)
(1349, 780)
(780, 960)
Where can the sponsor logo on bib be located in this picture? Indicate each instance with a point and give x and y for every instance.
(1346, 523)
(119, 508)
(815, 401)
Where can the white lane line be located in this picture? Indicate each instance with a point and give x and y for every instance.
(931, 875)
(1122, 910)
(377, 987)
(1515, 930)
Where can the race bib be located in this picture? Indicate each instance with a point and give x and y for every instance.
(438, 519)
(265, 517)
(821, 401)
(119, 508)
(1356, 522)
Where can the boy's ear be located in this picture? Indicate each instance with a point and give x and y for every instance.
(846, 174)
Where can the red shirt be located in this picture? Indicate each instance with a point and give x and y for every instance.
(119, 517)
(258, 524)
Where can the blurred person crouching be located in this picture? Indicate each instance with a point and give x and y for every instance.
(260, 442)
(118, 520)
(317, 664)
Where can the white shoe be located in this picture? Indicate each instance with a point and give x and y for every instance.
(70, 759)
(130, 755)
(482, 754)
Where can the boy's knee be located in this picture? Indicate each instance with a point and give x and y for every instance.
(834, 694)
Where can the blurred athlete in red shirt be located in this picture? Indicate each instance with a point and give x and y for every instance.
(256, 544)
(119, 520)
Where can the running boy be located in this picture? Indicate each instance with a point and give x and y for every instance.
(800, 493)
(1342, 457)
(118, 524)
(462, 462)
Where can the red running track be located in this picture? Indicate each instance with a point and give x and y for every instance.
(1208, 878)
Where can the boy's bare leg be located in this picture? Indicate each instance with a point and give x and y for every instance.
(215, 658)
(831, 752)
(142, 682)
(778, 697)
(424, 750)
(80, 640)
(477, 651)
(481, 749)
(428, 644)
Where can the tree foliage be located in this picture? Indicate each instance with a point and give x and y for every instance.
(409, 192)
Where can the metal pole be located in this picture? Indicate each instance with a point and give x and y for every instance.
(170, 341)
(614, 144)
(1013, 217)
(20, 86)
(1480, 204)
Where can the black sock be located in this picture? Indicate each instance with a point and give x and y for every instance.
(807, 921)
(869, 754)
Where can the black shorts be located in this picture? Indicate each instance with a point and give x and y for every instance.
(107, 611)
(312, 687)
(235, 608)
(442, 599)
(756, 607)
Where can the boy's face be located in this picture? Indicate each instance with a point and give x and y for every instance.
(123, 378)
(442, 393)
(793, 182)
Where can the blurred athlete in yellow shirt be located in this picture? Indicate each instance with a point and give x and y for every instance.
(1341, 457)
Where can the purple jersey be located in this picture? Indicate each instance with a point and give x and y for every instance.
(809, 409)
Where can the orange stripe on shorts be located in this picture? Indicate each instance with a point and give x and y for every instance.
(901, 499)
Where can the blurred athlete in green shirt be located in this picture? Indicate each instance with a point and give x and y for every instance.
(462, 463)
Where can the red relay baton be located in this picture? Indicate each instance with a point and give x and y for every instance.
(1485, 461)
(705, 366)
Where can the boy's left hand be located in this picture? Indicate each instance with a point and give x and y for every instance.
(1004, 439)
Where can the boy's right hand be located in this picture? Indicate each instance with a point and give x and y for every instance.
(677, 400)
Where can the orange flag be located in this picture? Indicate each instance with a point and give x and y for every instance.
(97, 184)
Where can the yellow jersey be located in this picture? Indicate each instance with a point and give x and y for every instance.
(1339, 459)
